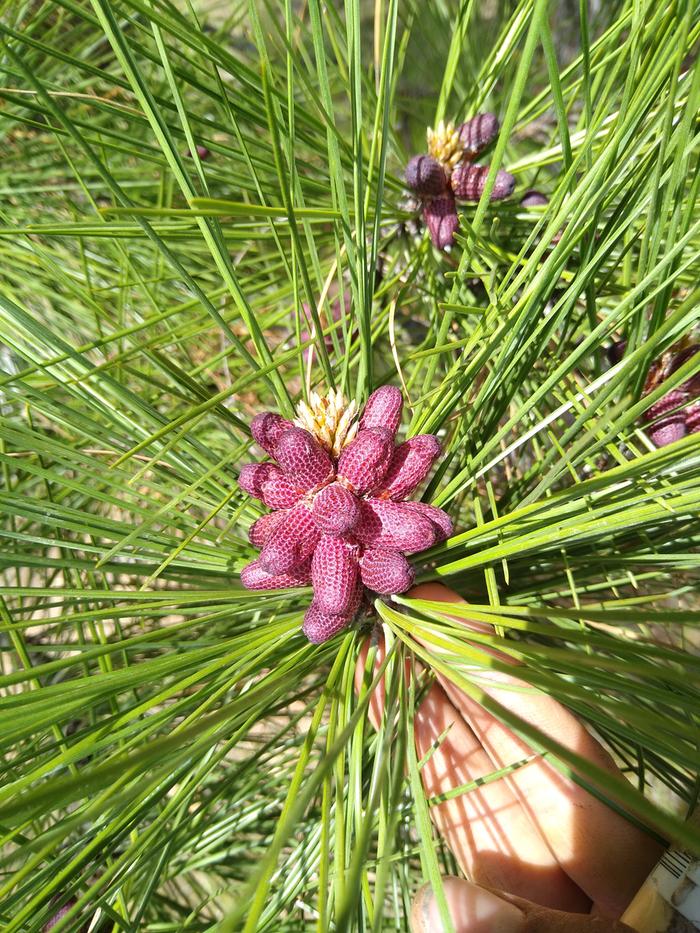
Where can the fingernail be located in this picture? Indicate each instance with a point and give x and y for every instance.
(473, 910)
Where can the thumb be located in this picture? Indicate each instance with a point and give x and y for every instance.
(474, 909)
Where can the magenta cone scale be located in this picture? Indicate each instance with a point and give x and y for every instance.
(676, 413)
(440, 216)
(667, 418)
(279, 493)
(441, 521)
(267, 482)
(334, 571)
(254, 577)
(267, 429)
(202, 152)
(425, 176)
(291, 543)
(383, 409)
(254, 475)
(319, 626)
(302, 458)
(261, 530)
(410, 464)
(386, 571)
(479, 132)
(340, 521)
(364, 462)
(692, 419)
(336, 510)
(448, 172)
(672, 400)
(468, 182)
(668, 430)
(393, 525)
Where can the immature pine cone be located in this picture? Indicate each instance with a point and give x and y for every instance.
(340, 520)
(476, 134)
(447, 172)
(469, 180)
(440, 216)
(534, 198)
(425, 176)
(202, 152)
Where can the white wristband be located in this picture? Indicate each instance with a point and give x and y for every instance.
(669, 900)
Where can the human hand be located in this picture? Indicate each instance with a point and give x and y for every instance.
(541, 852)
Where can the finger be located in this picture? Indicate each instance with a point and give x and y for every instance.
(486, 828)
(474, 909)
(607, 856)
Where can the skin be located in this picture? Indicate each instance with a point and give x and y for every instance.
(541, 853)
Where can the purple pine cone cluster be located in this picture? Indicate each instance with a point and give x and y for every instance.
(677, 413)
(339, 518)
(447, 174)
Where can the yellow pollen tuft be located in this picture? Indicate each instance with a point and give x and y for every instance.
(444, 144)
(331, 420)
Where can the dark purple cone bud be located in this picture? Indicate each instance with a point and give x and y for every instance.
(476, 134)
(440, 217)
(616, 351)
(692, 418)
(334, 574)
(386, 572)
(292, 542)
(336, 510)
(365, 460)
(302, 458)
(254, 475)
(202, 152)
(468, 182)
(383, 409)
(267, 429)
(253, 577)
(425, 176)
(534, 198)
(410, 464)
(392, 525)
(441, 521)
(319, 626)
(261, 530)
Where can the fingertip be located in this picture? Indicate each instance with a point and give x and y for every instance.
(434, 592)
(439, 593)
(472, 909)
(421, 902)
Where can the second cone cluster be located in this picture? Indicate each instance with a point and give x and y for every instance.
(447, 173)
